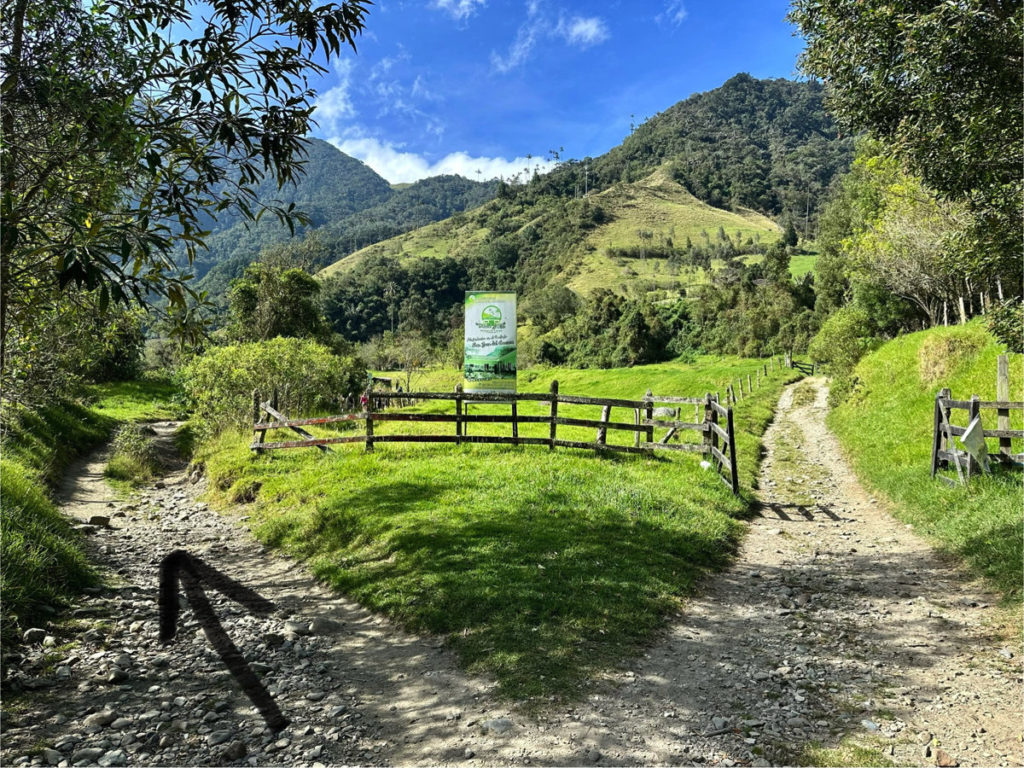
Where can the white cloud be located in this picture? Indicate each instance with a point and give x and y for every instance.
(583, 32)
(674, 13)
(519, 51)
(579, 31)
(399, 167)
(335, 104)
(459, 10)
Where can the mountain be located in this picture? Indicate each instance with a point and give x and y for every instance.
(699, 188)
(349, 206)
(628, 233)
(332, 186)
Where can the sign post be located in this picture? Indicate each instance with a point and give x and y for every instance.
(489, 361)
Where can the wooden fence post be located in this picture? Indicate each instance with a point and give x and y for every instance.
(937, 433)
(256, 410)
(554, 414)
(734, 477)
(649, 414)
(369, 419)
(714, 436)
(750, 389)
(458, 414)
(515, 420)
(706, 421)
(602, 432)
(1003, 395)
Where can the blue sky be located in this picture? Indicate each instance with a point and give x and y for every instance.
(460, 86)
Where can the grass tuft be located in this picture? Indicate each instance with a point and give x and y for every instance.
(135, 459)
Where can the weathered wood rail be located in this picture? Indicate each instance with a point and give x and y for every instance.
(944, 450)
(652, 412)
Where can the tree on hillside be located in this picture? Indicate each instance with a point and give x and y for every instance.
(940, 84)
(884, 233)
(124, 123)
(271, 300)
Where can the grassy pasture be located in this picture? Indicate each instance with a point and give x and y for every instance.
(539, 568)
(886, 429)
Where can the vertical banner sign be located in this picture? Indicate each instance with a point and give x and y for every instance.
(489, 363)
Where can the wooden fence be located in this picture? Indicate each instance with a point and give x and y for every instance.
(715, 426)
(944, 450)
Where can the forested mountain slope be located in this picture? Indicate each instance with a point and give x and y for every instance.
(349, 206)
(699, 182)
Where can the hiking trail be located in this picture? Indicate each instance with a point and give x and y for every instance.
(836, 624)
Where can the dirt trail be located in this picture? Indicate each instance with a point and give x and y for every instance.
(835, 622)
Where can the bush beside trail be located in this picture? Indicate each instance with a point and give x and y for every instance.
(219, 384)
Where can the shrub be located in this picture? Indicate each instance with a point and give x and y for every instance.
(940, 356)
(1006, 321)
(219, 384)
(135, 458)
(843, 340)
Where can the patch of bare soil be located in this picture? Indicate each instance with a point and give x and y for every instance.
(836, 622)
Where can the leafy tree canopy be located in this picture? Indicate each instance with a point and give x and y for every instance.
(939, 83)
(125, 122)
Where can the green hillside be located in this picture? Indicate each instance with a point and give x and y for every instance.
(332, 186)
(657, 211)
(886, 429)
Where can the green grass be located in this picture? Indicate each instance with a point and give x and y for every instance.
(538, 568)
(802, 263)
(886, 429)
(145, 400)
(45, 440)
(849, 752)
(42, 560)
(41, 557)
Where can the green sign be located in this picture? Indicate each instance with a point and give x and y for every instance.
(489, 363)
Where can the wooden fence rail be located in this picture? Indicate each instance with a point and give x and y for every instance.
(944, 450)
(650, 413)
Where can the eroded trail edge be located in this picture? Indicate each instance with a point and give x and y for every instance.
(837, 625)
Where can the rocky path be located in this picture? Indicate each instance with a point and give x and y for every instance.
(836, 624)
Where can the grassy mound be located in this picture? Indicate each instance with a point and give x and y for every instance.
(886, 429)
(539, 568)
(42, 564)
